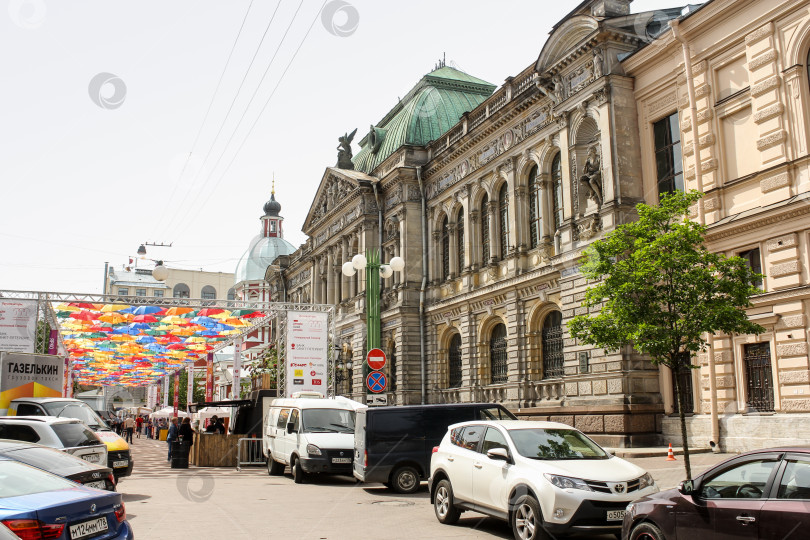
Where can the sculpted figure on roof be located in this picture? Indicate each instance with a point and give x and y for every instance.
(345, 151)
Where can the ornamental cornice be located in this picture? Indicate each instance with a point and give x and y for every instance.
(757, 224)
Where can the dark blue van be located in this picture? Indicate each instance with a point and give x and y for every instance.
(392, 445)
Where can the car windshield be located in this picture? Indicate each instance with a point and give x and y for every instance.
(537, 443)
(78, 410)
(328, 420)
(74, 434)
(19, 479)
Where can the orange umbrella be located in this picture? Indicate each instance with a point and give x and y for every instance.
(178, 310)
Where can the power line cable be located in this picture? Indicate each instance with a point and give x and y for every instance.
(205, 118)
(241, 118)
(224, 120)
(261, 112)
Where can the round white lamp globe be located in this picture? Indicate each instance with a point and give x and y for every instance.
(397, 264)
(386, 271)
(348, 269)
(359, 261)
(160, 273)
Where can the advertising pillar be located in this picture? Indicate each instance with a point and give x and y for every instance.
(209, 377)
(307, 341)
(176, 403)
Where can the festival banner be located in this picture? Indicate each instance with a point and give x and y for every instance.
(306, 362)
(176, 404)
(165, 391)
(53, 342)
(29, 375)
(189, 387)
(237, 369)
(18, 323)
(209, 378)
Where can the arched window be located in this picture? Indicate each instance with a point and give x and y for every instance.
(208, 293)
(181, 290)
(553, 345)
(231, 294)
(497, 354)
(454, 362)
(460, 239)
(445, 250)
(557, 199)
(503, 213)
(535, 216)
(485, 254)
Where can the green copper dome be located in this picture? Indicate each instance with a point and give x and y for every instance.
(431, 108)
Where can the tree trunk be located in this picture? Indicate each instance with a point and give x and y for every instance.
(684, 439)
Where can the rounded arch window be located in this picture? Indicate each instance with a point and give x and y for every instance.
(497, 354)
(503, 213)
(552, 336)
(181, 290)
(209, 293)
(535, 215)
(460, 240)
(445, 249)
(231, 294)
(454, 362)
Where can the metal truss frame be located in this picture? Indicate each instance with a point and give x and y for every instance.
(276, 318)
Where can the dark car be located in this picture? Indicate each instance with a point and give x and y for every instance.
(760, 494)
(59, 463)
(392, 445)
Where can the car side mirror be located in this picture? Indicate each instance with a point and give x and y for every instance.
(687, 487)
(498, 453)
(290, 427)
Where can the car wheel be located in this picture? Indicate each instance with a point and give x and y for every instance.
(527, 521)
(446, 511)
(405, 480)
(299, 476)
(646, 531)
(274, 468)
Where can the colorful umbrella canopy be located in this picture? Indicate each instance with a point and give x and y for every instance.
(84, 315)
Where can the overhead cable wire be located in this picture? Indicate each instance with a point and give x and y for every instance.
(224, 119)
(261, 112)
(205, 118)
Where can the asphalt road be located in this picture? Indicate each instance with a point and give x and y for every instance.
(216, 503)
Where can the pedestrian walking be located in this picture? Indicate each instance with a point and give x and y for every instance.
(129, 427)
(138, 426)
(170, 438)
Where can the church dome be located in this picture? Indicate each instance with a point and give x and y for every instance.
(272, 207)
(261, 254)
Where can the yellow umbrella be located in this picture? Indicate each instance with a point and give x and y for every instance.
(67, 307)
(224, 315)
(107, 308)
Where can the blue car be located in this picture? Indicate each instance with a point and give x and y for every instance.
(37, 505)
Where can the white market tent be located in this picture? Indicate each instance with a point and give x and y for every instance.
(167, 412)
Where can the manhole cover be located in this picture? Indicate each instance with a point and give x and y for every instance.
(393, 503)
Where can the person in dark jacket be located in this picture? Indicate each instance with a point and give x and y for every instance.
(185, 432)
(172, 435)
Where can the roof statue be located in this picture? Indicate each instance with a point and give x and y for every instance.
(345, 151)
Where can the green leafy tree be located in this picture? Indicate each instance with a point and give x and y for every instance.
(199, 393)
(662, 292)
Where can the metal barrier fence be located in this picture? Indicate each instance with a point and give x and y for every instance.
(249, 452)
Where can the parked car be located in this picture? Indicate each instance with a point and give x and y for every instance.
(310, 435)
(6, 534)
(59, 463)
(392, 445)
(38, 504)
(66, 434)
(543, 478)
(119, 457)
(759, 494)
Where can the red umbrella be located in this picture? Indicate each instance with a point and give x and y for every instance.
(253, 315)
(144, 318)
(177, 347)
(83, 316)
(83, 305)
(207, 312)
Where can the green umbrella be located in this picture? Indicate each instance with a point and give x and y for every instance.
(189, 315)
(156, 332)
(240, 312)
(63, 314)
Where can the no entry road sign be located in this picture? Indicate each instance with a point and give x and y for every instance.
(376, 381)
(375, 359)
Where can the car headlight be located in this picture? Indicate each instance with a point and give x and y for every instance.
(313, 450)
(645, 481)
(564, 482)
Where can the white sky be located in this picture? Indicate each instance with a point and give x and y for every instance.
(83, 184)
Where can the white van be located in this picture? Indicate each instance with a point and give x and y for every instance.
(310, 435)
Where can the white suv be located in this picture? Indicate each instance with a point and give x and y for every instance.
(66, 434)
(543, 478)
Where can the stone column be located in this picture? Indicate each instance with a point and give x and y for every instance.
(435, 265)
(472, 237)
(316, 281)
(344, 257)
(330, 277)
(545, 195)
(494, 240)
(453, 246)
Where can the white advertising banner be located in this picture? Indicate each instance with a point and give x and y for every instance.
(18, 323)
(165, 391)
(190, 386)
(307, 342)
(237, 369)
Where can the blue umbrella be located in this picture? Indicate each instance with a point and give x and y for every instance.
(206, 333)
(138, 326)
(141, 340)
(157, 347)
(145, 310)
(204, 321)
(221, 327)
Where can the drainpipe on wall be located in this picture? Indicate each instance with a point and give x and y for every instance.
(690, 88)
(422, 337)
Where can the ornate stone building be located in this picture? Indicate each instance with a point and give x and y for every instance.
(746, 96)
(491, 196)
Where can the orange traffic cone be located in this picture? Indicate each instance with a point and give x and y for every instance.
(670, 454)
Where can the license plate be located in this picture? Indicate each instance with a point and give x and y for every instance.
(92, 458)
(98, 485)
(88, 528)
(122, 463)
(615, 515)
(341, 460)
